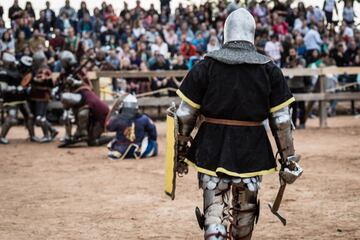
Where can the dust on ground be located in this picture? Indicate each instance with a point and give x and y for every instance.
(77, 193)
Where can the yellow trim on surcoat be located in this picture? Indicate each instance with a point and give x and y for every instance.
(187, 100)
(230, 173)
(282, 105)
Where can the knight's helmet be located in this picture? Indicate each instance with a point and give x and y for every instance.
(8, 60)
(239, 26)
(39, 60)
(68, 60)
(130, 106)
(25, 64)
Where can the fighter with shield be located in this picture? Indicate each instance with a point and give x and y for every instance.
(226, 97)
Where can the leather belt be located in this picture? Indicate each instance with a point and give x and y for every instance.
(231, 122)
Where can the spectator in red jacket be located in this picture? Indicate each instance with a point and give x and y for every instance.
(187, 49)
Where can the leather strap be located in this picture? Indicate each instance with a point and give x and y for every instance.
(231, 122)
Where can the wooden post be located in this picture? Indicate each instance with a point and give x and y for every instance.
(96, 85)
(322, 103)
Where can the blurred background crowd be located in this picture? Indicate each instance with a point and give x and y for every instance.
(293, 35)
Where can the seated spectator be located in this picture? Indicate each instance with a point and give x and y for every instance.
(171, 38)
(315, 15)
(347, 32)
(87, 41)
(300, 46)
(71, 41)
(97, 21)
(160, 46)
(36, 40)
(280, 27)
(2, 27)
(151, 35)
(199, 42)
(57, 43)
(187, 49)
(82, 11)
(7, 42)
(213, 44)
(113, 60)
(138, 29)
(273, 49)
(109, 34)
(64, 23)
(42, 25)
(135, 133)
(85, 25)
(22, 26)
(20, 44)
(185, 31)
(350, 53)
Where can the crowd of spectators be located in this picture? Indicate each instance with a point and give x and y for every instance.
(148, 39)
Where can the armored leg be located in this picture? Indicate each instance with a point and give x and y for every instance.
(29, 120)
(95, 139)
(10, 121)
(53, 131)
(245, 208)
(68, 118)
(216, 206)
(41, 122)
(82, 123)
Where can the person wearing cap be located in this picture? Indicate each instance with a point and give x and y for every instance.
(135, 133)
(14, 95)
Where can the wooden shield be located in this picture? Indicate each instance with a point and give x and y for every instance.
(171, 151)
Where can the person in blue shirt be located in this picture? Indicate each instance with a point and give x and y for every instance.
(135, 133)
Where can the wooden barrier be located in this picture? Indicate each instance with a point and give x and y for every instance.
(320, 95)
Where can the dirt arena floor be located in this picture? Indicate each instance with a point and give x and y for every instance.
(51, 193)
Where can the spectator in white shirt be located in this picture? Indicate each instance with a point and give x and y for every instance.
(138, 29)
(312, 41)
(273, 49)
(160, 46)
(213, 44)
(347, 31)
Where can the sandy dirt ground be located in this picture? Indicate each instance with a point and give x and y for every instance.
(51, 193)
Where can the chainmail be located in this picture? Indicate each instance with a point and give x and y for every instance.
(238, 52)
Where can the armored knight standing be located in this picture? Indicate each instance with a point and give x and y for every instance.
(14, 95)
(231, 92)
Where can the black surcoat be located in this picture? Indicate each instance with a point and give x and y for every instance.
(245, 92)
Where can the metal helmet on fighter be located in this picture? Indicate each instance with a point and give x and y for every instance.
(239, 26)
(231, 128)
(68, 60)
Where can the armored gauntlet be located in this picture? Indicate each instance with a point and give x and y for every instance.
(187, 116)
(281, 127)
